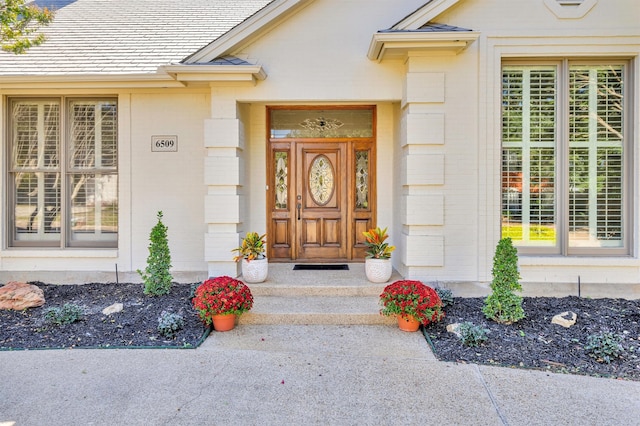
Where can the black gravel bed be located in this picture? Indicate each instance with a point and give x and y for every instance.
(136, 326)
(535, 342)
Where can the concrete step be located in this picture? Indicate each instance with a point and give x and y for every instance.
(316, 290)
(327, 297)
(335, 310)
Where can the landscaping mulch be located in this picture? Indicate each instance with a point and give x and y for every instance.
(135, 326)
(535, 342)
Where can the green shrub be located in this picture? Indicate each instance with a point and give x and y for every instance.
(67, 314)
(169, 324)
(446, 296)
(192, 290)
(604, 346)
(157, 278)
(471, 334)
(502, 305)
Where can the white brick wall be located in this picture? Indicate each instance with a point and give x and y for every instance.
(423, 250)
(218, 246)
(424, 169)
(222, 171)
(424, 87)
(425, 209)
(425, 129)
(220, 133)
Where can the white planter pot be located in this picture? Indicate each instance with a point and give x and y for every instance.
(255, 271)
(378, 270)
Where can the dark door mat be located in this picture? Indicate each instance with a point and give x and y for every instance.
(310, 267)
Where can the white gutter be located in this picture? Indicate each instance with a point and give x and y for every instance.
(398, 44)
(214, 73)
(138, 80)
(167, 76)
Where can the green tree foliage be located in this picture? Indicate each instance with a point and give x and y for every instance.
(157, 278)
(20, 23)
(503, 305)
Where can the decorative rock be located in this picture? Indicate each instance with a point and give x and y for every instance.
(115, 308)
(453, 328)
(19, 296)
(565, 319)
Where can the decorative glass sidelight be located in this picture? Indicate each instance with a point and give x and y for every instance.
(281, 181)
(321, 180)
(362, 179)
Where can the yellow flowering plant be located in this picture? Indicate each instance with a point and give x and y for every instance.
(376, 246)
(252, 247)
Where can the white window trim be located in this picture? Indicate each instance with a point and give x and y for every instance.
(496, 49)
(562, 218)
(63, 243)
(72, 253)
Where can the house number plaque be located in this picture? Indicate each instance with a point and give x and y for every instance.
(164, 143)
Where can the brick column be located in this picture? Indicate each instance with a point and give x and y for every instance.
(422, 171)
(224, 178)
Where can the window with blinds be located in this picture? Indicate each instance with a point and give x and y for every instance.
(529, 155)
(63, 189)
(563, 169)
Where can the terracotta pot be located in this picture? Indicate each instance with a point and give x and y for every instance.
(378, 270)
(255, 271)
(224, 322)
(407, 323)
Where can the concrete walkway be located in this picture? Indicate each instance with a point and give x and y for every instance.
(303, 375)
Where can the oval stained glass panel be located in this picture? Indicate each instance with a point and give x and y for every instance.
(321, 180)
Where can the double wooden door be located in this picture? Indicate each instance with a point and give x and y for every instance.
(320, 200)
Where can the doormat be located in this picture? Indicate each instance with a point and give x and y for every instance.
(310, 267)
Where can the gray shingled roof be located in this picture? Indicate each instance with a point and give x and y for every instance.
(126, 36)
(226, 60)
(429, 28)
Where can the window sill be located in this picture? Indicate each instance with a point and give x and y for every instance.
(52, 253)
(528, 260)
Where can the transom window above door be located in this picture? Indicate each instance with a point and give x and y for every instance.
(321, 123)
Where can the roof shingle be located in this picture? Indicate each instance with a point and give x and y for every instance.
(126, 36)
(430, 27)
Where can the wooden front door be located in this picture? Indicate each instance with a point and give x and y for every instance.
(320, 190)
(321, 201)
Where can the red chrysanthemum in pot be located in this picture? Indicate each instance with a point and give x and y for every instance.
(411, 298)
(221, 296)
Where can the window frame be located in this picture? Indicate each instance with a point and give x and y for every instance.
(562, 154)
(65, 171)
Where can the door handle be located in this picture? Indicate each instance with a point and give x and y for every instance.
(299, 207)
